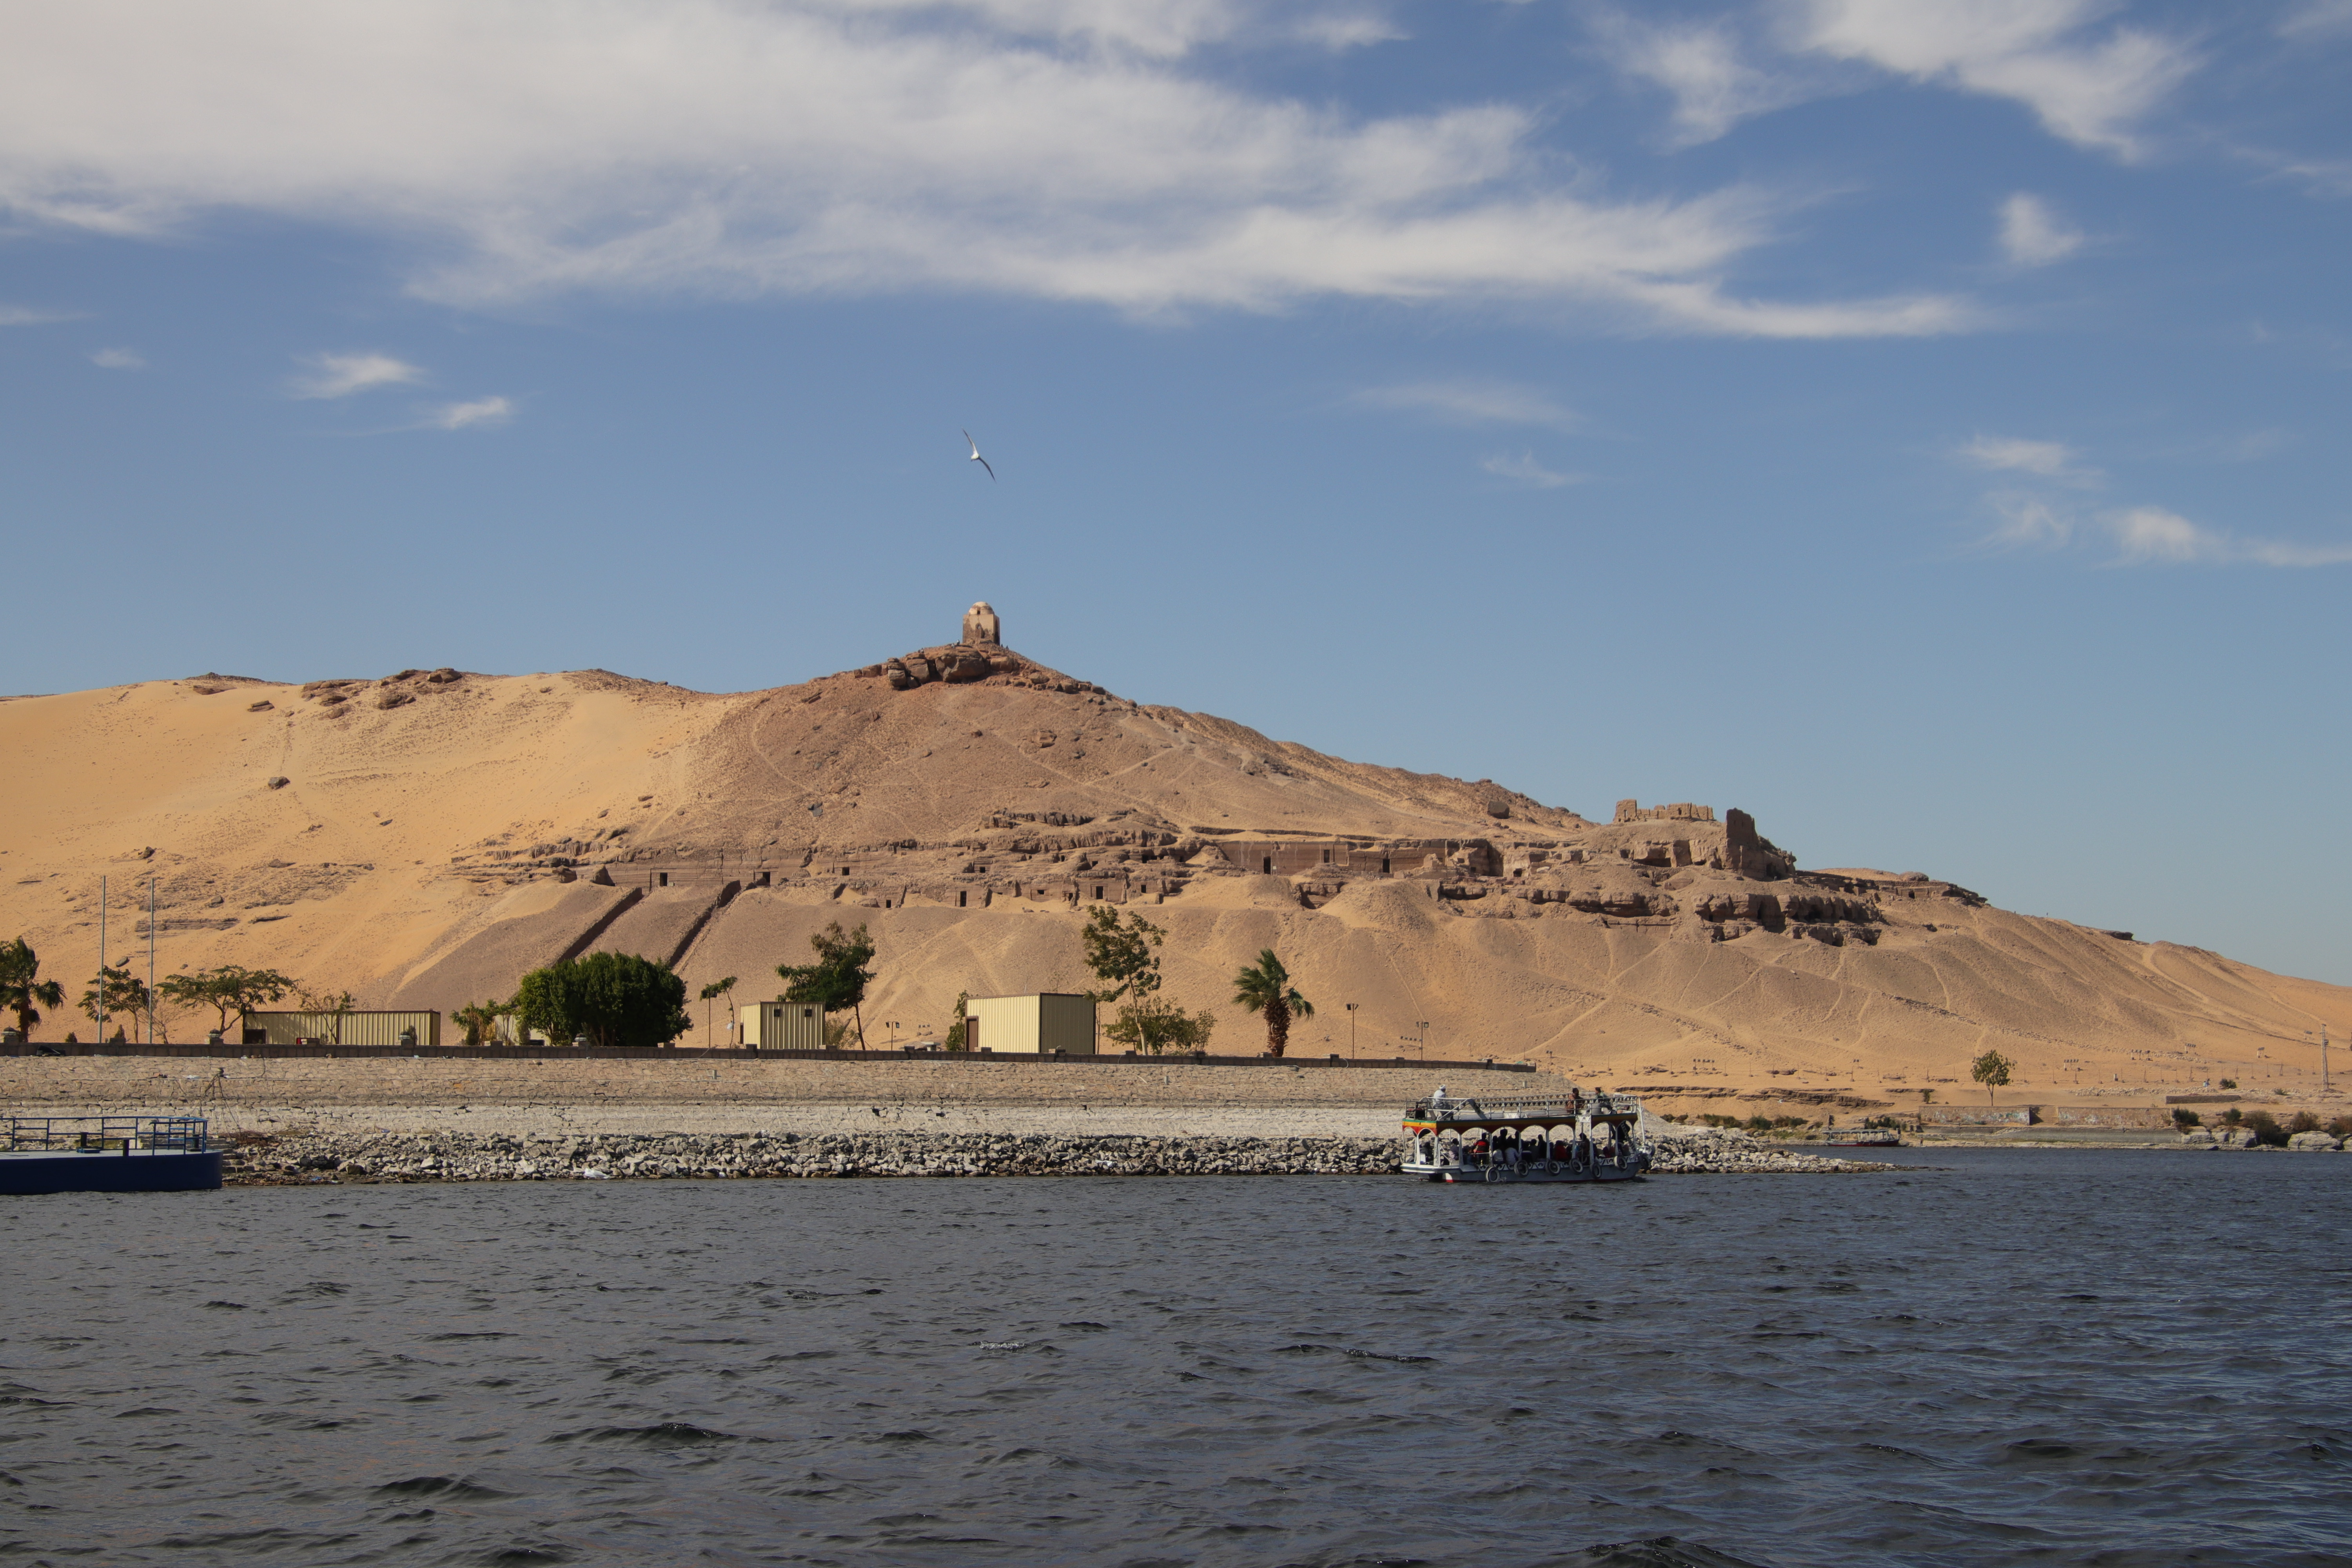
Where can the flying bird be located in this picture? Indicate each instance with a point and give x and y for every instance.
(976, 453)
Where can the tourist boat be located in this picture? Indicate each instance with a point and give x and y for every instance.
(1575, 1136)
(106, 1154)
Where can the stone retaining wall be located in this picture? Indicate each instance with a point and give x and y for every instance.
(29, 1084)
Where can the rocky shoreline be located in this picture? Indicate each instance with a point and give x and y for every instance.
(255, 1160)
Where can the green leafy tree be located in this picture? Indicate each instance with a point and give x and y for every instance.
(230, 989)
(1125, 958)
(612, 998)
(114, 989)
(1265, 987)
(836, 982)
(710, 993)
(1152, 1025)
(21, 990)
(1991, 1069)
(957, 1033)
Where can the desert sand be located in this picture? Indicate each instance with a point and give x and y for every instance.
(423, 838)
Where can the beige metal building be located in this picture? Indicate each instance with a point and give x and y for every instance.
(1031, 1025)
(340, 1028)
(781, 1025)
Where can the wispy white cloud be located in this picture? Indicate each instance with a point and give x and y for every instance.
(1708, 68)
(1348, 30)
(1061, 149)
(1523, 469)
(1471, 402)
(339, 375)
(2317, 18)
(2048, 459)
(464, 415)
(117, 359)
(23, 316)
(2145, 536)
(2028, 520)
(2147, 533)
(2152, 536)
(2092, 88)
(2033, 234)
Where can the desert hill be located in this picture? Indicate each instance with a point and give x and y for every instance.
(422, 838)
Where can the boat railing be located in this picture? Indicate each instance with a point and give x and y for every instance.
(1564, 1106)
(103, 1134)
(1559, 1107)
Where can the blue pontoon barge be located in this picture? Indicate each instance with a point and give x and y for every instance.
(106, 1154)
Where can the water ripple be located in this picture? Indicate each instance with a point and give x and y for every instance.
(1999, 1361)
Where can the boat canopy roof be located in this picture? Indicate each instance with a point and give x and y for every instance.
(1455, 1113)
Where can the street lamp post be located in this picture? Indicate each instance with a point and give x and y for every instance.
(1351, 1030)
(1422, 1025)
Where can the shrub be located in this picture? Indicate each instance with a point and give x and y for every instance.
(1152, 1025)
(2184, 1118)
(2229, 1083)
(2233, 1116)
(2266, 1129)
(2301, 1121)
(2339, 1128)
(1713, 1121)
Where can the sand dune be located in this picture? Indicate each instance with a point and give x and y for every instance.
(436, 833)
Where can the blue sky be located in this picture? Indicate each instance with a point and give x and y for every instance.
(1919, 423)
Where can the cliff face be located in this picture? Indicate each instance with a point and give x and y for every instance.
(422, 839)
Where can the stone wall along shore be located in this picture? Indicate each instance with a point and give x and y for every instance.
(28, 1083)
(461, 1157)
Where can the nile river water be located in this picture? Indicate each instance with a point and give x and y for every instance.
(2025, 1356)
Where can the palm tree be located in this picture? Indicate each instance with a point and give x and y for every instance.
(716, 988)
(480, 1021)
(22, 989)
(1266, 987)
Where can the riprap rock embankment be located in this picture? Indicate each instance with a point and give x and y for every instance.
(460, 1157)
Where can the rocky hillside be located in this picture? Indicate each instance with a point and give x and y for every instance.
(423, 838)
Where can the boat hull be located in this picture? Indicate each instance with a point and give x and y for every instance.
(1504, 1175)
(26, 1175)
